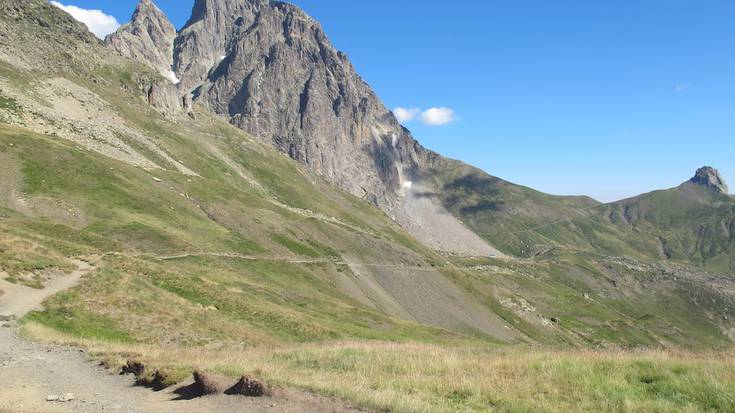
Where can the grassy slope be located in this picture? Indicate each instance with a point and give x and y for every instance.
(692, 222)
(688, 224)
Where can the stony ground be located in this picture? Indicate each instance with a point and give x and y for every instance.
(421, 213)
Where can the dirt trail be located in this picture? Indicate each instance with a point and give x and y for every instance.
(31, 372)
(19, 300)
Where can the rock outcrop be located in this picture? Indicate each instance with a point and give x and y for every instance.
(710, 178)
(148, 38)
(271, 70)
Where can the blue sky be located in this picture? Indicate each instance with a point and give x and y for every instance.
(608, 99)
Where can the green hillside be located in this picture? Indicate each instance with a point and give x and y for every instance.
(687, 224)
(203, 238)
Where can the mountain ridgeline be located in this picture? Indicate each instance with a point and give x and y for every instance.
(270, 69)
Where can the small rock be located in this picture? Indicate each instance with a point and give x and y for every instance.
(555, 320)
(157, 179)
(248, 386)
(66, 397)
(52, 398)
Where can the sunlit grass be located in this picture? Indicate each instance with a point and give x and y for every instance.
(410, 377)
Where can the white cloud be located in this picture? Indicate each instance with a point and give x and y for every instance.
(98, 22)
(406, 115)
(438, 116)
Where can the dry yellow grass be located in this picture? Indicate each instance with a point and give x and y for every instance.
(429, 378)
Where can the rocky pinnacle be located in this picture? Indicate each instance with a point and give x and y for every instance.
(711, 178)
(148, 38)
(271, 70)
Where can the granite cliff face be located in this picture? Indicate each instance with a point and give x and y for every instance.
(271, 70)
(148, 38)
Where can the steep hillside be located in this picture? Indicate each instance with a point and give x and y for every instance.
(189, 213)
(87, 152)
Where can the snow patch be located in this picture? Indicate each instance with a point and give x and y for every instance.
(172, 77)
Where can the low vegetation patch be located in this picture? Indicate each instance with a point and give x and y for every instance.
(9, 104)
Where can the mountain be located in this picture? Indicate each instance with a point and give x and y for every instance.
(270, 69)
(710, 177)
(205, 248)
(186, 213)
(692, 222)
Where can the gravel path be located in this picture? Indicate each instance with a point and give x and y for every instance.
(19, 300)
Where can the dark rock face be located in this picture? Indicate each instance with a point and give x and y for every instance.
(209, 35)
(148, 38)
(270, 68)
(711, 178)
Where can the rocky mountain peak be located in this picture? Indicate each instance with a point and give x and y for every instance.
(711, 178)
(147, 38)
(271, 69)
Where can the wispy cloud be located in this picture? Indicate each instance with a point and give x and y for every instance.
(406, 115)
(438, 116)
(431, 117)
(97, 21)
(681, 87)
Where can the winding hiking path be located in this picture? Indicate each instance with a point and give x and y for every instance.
(31, 372)
(19, 300)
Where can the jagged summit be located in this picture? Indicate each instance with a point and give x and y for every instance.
(270, 68)
(710, 177)
(148, 38)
